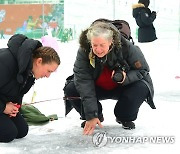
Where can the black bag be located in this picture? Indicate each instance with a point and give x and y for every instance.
(67, 103)
(124, 28)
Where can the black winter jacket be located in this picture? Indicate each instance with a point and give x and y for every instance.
(15, 66)
(144, 19)
(85, 73)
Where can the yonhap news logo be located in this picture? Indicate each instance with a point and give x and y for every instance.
(101, 139)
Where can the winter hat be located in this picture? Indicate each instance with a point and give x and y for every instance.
(50, 42)
(145, 2)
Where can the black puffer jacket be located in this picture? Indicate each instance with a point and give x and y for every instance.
(15, 66)
(85, 74)
(144, 19)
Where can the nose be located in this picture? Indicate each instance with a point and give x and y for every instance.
(48, 75)
(97, 49)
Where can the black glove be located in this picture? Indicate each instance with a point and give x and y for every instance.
(153, 14)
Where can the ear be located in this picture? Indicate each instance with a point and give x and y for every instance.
(111, 43)
(39, 61)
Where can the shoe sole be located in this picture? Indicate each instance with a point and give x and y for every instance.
(124, 126)
(127, 127)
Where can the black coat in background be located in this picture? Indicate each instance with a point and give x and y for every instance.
(15, 69)
(144, 19)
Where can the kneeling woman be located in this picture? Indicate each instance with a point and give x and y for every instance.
(20, 64)
(108, 66)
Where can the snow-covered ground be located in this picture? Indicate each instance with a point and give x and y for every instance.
(157, 131)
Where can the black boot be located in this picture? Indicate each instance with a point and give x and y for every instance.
(101, 119)
(126, 124)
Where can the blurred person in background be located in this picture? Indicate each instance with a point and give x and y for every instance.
(144, 19)
(146, 31)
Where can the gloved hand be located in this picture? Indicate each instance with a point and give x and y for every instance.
(153, 14)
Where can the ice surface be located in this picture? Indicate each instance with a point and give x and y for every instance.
(64, 136)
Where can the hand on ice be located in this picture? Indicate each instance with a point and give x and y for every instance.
(90, 126)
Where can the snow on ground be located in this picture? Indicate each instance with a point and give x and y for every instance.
(157, 131)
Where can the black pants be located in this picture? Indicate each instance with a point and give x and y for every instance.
(129, 99)
(12, 128)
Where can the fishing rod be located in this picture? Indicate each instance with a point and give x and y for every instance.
(47, 100)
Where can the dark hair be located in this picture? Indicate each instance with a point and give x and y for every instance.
(47, 54)
(145, 2)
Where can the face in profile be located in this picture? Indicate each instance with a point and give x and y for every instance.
(100, 46)
(41, 70)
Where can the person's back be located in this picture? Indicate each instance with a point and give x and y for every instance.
(144, 19)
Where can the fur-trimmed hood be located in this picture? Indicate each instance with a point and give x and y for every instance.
(137, 5)
(136, 9)
(85, 44)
